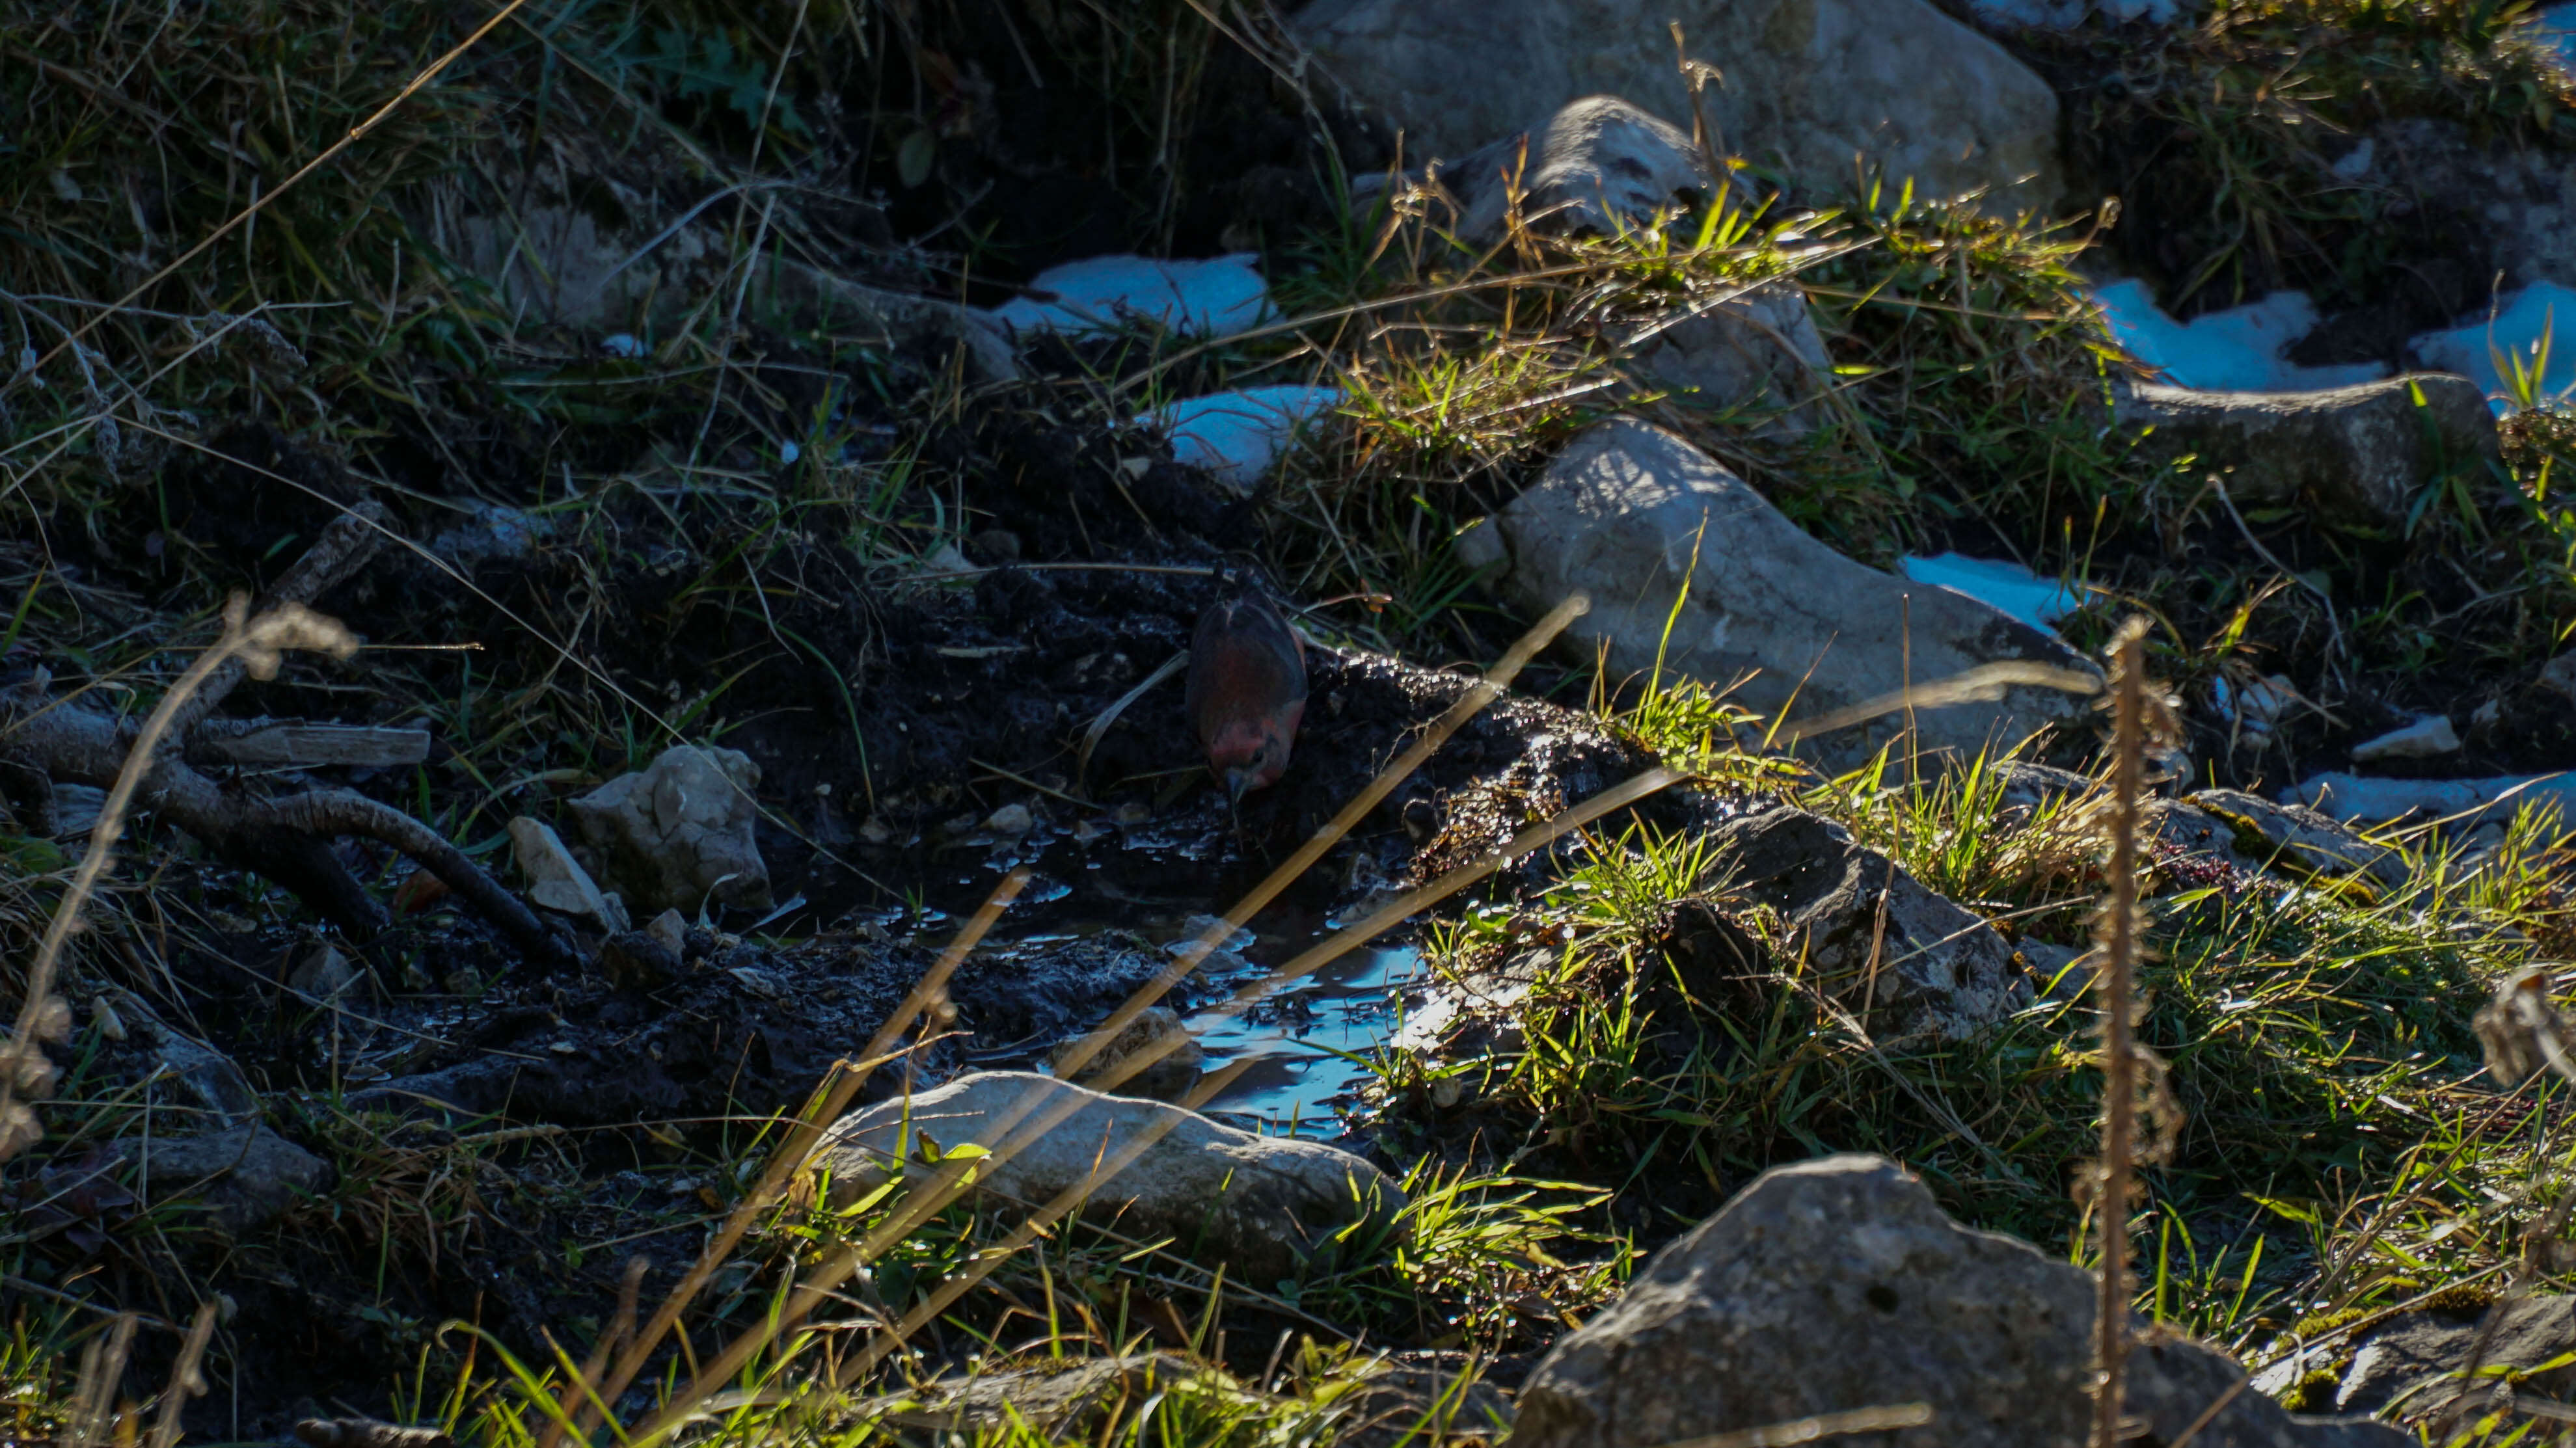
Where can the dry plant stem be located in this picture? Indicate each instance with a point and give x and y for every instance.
(835, 1096)
(1012, 1136)
(102, 1368)
(287, 839)
(1983, 681)
(2119, 1063)
(137, 762)
(185, 1381)
(1207, 1090)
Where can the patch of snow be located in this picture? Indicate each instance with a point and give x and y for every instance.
(2555, 27)
(1237, 435)
(2429, 735)
(2522, 319)
(622, 344)
(2257, 707)
(1217, 297)
(2238, 350)
(1997, 583)
(2464, 802)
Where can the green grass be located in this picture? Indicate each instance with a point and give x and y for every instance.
(2331, 1145)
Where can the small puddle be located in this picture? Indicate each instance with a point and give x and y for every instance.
(1297, 1084)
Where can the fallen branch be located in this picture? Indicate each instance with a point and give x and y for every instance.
(287, 838)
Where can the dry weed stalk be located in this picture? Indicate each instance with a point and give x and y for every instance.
(2115, 990)
(252, 645)
(1025, 1123)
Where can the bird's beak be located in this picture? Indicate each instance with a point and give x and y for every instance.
(1236, 781)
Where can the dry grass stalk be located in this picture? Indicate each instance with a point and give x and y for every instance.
(252, 643)
(831, 1098)
(2115, 991)
(1014, 1129)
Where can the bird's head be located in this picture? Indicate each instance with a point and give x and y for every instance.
(1250, 754)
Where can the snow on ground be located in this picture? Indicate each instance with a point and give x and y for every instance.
(2556, 25)
(2522, 319)
(1218, 297)
(1998, 583)
(1237, 435)
(2462, 801)
(2238, 350)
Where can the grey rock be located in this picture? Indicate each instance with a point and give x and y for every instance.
(1872, 935)
(1754, 351)
(2060, 972)
(557, 881)
(243, 1177)
(2409, 1365)
(1839, 1284)
(1599, 166)
(2355, 454)
(2305, 841)
(2462, 802)
(678, 834)
(1260, 1205)
(1809, 84)
(324, 974)
(2428, 737)
(207, 1074)
(2520, 199)
(1772, 614)
(2026, 786)
(2176, 830)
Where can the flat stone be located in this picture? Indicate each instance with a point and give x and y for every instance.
(2356, 455)
(1873, 937)
(1262, 1206)
(2301, 839)
(2426, 738)
(557, 881)
(2408, 1366)
(243, 1177)
(1771, 615)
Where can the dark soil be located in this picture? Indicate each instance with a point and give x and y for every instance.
(964, 697)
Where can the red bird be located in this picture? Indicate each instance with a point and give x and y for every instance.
(1247, 690)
